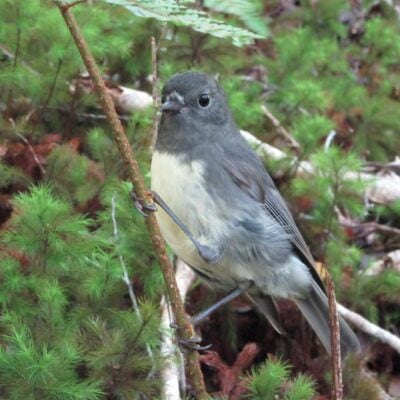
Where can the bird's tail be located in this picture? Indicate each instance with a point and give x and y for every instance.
(316, 310)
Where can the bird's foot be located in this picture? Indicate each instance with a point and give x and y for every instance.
(141, 206)
(186, 345)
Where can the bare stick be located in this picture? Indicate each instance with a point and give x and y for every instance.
(337, 390)
(31, 149)
(125, 149)
(125, 275)
(171, 373)
(155, 92)
(368, 327)
(280, 129)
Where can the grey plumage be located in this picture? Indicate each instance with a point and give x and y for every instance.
(217, 186)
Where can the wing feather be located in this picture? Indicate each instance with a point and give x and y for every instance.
(250, 175)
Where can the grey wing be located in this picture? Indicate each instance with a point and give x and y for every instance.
(248, 172)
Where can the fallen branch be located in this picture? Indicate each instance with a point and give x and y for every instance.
(31, 149)
(126, 100)
(125, 149)
(172, 371)
(280, 129)
(369, 328)
(360, 230)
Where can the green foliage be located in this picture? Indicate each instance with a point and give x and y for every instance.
(35, 371)
(359, 385)
(369, 289)
(11, 175)
(38, 28)
(69, 307)
(46, 230)
(73, 176)
(247, 11)
(309, 130)
(334, 184)
(272, 380)
(178, 14)
(382, 41)
(244, 102)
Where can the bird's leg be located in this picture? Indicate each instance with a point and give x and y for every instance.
(225, 300)
(194, 342)
(208, 254)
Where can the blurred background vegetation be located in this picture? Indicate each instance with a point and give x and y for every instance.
(328, 71)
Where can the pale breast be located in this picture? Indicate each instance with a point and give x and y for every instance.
(181, 185)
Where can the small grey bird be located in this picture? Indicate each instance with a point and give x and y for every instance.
(222, 214)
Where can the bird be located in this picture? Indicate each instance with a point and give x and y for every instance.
(222, 214)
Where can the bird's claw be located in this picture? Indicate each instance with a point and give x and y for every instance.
(187, 345)
(141, 206)
(190, 344)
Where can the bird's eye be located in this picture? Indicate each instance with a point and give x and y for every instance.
(204, 100)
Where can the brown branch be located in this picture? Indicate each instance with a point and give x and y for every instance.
(280, 129)
(155, 92)
(370, 227)
(124, 147)
(337, 390)
(31, 149)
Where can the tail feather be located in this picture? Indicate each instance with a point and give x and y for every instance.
(315, 309)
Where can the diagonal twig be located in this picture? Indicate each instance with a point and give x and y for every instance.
(125, 149)
(125, 275)
(280, 129)
(369, 328)
(337, 390)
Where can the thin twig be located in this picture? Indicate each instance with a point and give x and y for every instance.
(370, 227)
(337, 390)
(368, 327)
(53, 86)
(280, 129)
(171, 373)
(31, 149)
(125, 149)
(155, 91)
(125, 275)
(83, 115)
(49, 96)
(329, 139)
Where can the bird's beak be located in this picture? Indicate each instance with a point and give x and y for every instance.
(173, 104)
